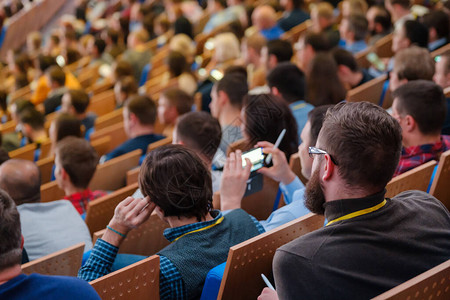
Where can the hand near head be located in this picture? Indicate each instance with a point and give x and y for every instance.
(268, 294)
(280, 171)
(129, 214)
(234, 181)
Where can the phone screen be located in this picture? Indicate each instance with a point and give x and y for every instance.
(256, 157)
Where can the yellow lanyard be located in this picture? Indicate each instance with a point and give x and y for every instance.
(200, 229)
(359, 212)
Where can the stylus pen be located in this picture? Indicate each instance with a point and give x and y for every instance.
(277, 144)
(269, 285)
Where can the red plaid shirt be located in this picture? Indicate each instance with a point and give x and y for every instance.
(415, 156)
(80, 200)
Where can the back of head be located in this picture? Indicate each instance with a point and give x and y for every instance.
(345, 58)
(226, 47)
(100, 44)
(234, 85)
(67, 125)
(183, 44)
(33, 118)
(264, 17)
(122, 69)
(417, 33)
(141, 35)
(177, 63)
(438, 20)
(383, 18)
(57, 75)
(79, 100)
(365, 142)
(265, 116)
(72, 55)
(176, 180)
(128, 85)
(256, 41)
(200, 132)
(316, 116)
(358, 24)
(143, 108)
(10, 233)
(324, 10)
(77, 157)
(21, 179)
(406, 4)
(423, 100)
(180, 99)
(281, 49)
(289, 80)
(414, 63)
(318, 41)
(46, 61)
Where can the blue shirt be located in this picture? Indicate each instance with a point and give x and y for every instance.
(300, 110)
(292, 19)
(272, 33)
(139, 142)
(171, 285)
(356, 47)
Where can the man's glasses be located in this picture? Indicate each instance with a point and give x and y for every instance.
(314, 150)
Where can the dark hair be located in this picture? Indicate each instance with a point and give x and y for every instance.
(345, 58)
(316, 116)
(424, 101)
(235, 86)
(324, 69)
(358, 24)
(67, 125)
(297, 3)
(32, 117)
(100, 44)
(281, 49)
(79, 100)
(11, 235)
(143, 108)
(200, 131)
(318, 41)
(265, 117)
(22, 62)
(21, 80)
(289, 80)
(365, 141)
(402, 3)
(114, 35)
(182, 25)
(78, 159)
(46, 61)
(4, 156)
(180, 99)
(237, 69)
(122, 69)
(177, 181)
(439, 21)
(3, 100)
(128, 85)
(56, 74)
(177, 63)
(22, 104)
(72, 55)
(383, 18)
(417, 33)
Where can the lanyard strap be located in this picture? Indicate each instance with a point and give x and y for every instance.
(200, 229)
(359, 212)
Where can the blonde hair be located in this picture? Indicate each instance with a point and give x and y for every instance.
(324, 10)
(182, 43)
(226, 47)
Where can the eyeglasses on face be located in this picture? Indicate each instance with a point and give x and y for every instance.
(314, 150)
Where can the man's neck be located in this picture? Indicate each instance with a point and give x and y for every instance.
(418, 140)
(355, 78)
(230, 116)
(10, 273)
(141, 130)
(175, 221)
(70, 189)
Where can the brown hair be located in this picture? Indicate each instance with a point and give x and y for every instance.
(67, 125)
(414, 63)
(11, 236)
(56, 74)
(79, 100)
(180, 99)
(143, 108)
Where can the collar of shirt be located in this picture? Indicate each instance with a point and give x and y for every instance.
(86, 194)
(297, 105)
(338, 208)
(437, 44)
(426, 148)
(173, 233)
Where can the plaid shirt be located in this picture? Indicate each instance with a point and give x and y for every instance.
(415, 156)
(80, 200)
(171, 284)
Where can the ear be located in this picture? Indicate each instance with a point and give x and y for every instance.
(272, 60)
(410, 123)
(328, 168)
(275, 91)
(223, 98)
(343, 70)
(64, 174)
(22, 242)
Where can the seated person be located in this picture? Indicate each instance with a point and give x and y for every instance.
(76, 162)
(16, 285)
(136, 54)
(348, 71)
(442, 77)
(173, 103)
(308, 46)
(139, 117)
(64, 125)
(438, 25)
(124, 89)
(76, 102)
(323, 20)
(46, 227)
(379, 21)
(14, 140)
(32, 123)
(353, 31)
(275, 52)
(293, 14)
(56, 79)
(419, 106)
(177, 186)
(264, 19)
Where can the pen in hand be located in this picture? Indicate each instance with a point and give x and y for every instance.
(269, 285)
(277, 144)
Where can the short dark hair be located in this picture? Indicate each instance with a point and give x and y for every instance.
(78, 159)
(100, 44)
(122, 69)
(417, 33)
(316, 116)
(46, 61)
(32, 117)
(177, 63)
(67, 125)
(343, 57)
(180, 99)
(79, 100)
(177, 181)
(402, 3)
(128, 85)
(11, 235)
(281, 49)
(318, 41)
(439, 21)
(200, 131)
(358, 24)
(114, 35)
(383, 18)
(365, 141)
(72, 55)
(56, 74)
(143, 108)
(289, 80)
(235, 86)
(425, 101)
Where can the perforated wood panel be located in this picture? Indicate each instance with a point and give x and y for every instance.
(246, 261)
(433, 284)
(65, 262)
(45, 166)
(51, 192)
(109, 119)
(415, 179)
(441, 184)
(137, 281)
(101, 210)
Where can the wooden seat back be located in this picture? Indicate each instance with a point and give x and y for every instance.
(248, 260)
(371, 92)
(65, 262)
(415, 179)
(101, 210)
(432, 284)
(26, 152)
(101, 145)
(164, 141)
(440, 187)
(7, 127)
(51, 192)
(296, 167)
(133, 176)
(137, 281)
(102, 103)
(45, 165)
(441, 51)
(109, 119)
(115, 132)
(296, 32)
(46, 148)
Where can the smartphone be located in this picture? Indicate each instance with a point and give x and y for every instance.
(256, 157)
(373, 58)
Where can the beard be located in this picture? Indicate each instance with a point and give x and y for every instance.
(314, 196)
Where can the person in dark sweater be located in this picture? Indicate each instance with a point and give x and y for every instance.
(56, 78)
(76, 102)
(348, 71)
(370, 243)
(139, 117)
(293, 14)
(177, 186)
